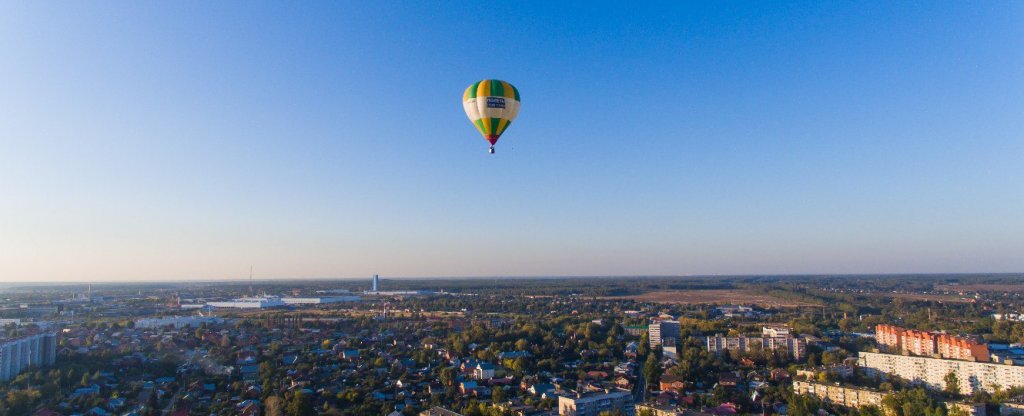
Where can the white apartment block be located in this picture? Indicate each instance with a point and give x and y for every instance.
(658, 332)
(31, 351)
(974, 376)
(719, 344)
(853, 397)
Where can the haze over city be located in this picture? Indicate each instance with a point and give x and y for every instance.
(183, 141)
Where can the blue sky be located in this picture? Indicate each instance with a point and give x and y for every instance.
(189, 140)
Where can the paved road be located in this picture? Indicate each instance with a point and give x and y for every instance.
(640, 391)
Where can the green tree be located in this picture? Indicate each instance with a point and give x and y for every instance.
(447, 376)
(273, 406)
(645, 345)
(952, 383)
(300, 405)
(652, 370)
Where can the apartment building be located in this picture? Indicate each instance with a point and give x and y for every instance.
(718, 344)
(22, 353)
(958, 348)
(894, 339)
(852, 397)
(973, 376)
(662, 330)
(888, 338)
(592, 404)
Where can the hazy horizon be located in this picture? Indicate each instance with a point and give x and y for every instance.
(184, 141)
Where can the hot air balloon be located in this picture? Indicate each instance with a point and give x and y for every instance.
(491, 105)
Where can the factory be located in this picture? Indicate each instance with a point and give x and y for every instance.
(320, 300)
(261, 302)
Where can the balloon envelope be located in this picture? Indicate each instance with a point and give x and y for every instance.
(491, 105)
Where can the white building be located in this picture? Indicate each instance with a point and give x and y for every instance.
(974, 376)
(719, 344)
(249, 303)
(483, 371)
(31, 351)
(320, 300)
(775, 331)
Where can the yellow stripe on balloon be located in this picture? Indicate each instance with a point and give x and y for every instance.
(501, 126)
(485, 89)
(487, 125)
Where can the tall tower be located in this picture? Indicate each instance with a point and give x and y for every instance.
(376, 281)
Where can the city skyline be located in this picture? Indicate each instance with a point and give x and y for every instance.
(189, 141)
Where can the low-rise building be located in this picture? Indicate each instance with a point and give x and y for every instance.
(852, 397)
(592, 404)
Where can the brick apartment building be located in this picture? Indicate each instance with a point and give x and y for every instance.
(895, 339)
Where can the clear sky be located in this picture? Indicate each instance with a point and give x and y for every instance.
(190, 140)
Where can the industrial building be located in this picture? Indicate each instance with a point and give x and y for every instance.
(262, 302)
(320, 300)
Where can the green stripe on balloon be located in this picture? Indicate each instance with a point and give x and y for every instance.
(497, 88)
(494, 125)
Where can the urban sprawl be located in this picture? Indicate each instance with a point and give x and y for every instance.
(922, 345)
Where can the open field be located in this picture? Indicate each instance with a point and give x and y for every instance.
(982, 287)
(926, 297)
(715, 297)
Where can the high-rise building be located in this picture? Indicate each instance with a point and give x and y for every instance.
(888, 337)
(918, 342)
(659, 331)
(22, 353)
(376, 282)
(959, 348)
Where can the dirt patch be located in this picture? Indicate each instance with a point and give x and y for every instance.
(715, 297)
